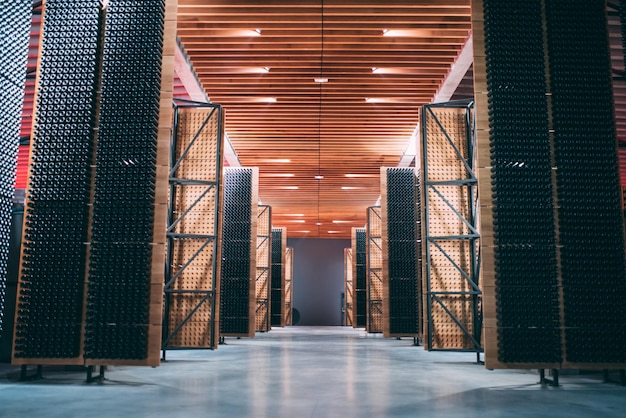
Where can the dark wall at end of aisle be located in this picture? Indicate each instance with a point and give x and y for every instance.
(318, 279)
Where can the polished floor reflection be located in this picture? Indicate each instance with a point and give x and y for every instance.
(309, 372)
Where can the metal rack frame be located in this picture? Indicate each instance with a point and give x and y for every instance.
(261, 270)
(472, 273)
(373, 273)
(208, 295)
(288, 306)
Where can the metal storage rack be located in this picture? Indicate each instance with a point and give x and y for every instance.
(277, 302)
(453, 308)
(374, 259)
(359, 277)
(263, 268)
(288, 308)
(348, 289)
(192, 265)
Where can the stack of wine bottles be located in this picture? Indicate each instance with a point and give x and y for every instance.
(15, 20)
(238, 274)
(557, 218)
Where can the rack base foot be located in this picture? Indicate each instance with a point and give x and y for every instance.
(554, 382)
(24, 376)
(90, 376)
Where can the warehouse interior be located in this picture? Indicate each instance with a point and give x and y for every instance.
(334, 207)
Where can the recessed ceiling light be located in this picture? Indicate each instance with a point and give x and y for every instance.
(297, 221)
(304, 232)
(291, 214)
(354, 175)
(319, 177)
(374, 100)
(349, 188)
(341, 222)
(258, 31)
(267, 69)
(334, 232)
(277, 160)
(289, 187)
(318, 223)
(268, 99)
(374, 69)
(408, 32)
(320, 80)
(277, 174)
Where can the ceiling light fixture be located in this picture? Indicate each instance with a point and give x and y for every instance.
(258, 31)
(319, 177)
(277, 160)
(375, 100)
(267, 69)
(278, 175)
(320, 80)
(289, 187)
(341, 222)
(354, 176)
(349, 188)
(374, 69)
(292, 214)
(297, 221)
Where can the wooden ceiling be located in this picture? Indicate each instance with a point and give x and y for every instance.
(330, 129)
(343, 130)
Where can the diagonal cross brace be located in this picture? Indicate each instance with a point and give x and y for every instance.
(456, 321)
(191, 259)
(186, 319)
(456, 266)
(191, 143)
(451, 142)
(456, 212)
(189, 209)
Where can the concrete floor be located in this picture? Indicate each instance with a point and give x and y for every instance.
(309, 372)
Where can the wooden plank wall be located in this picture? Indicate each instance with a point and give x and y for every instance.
(263, 268)
(202, 163)
(374, 270)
